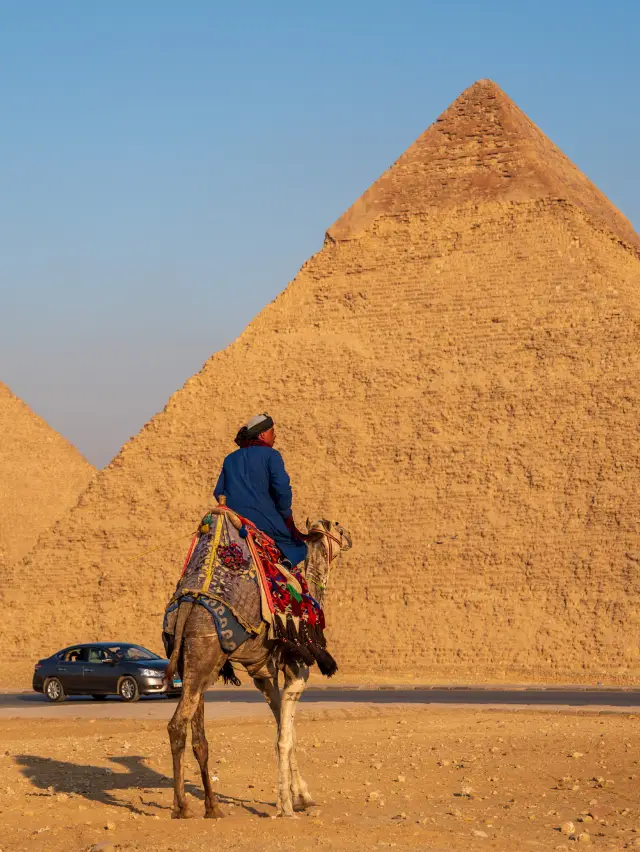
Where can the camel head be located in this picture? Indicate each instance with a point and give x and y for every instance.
(323, 530)
(326, 540)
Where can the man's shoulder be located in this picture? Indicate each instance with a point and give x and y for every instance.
(257, 450)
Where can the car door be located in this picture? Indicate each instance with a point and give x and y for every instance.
(100, 675)
(69, 670)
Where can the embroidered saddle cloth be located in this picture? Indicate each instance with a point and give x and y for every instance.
(240, 579)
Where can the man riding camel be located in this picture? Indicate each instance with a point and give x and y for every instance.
(257, 487)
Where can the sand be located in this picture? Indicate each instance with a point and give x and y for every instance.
(403, 778)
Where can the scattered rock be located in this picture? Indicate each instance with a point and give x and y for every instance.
(576, 754)
(400, 779)
(584, 837)
(567, 828)
(477, 833)
(110, 826)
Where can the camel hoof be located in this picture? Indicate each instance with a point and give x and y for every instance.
(286, 815)
(181, 814)
(216, 813)
(302, 805)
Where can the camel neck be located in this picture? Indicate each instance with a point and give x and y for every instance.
(317, 570)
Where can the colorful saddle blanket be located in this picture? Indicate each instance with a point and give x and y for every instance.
(239, 577)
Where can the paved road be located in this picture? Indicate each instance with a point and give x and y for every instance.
(232, 701)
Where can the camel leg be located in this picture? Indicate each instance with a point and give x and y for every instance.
(295, 682)
(268, 686)
(177, 727)
(202, 661)
(201, 751)
(302, 799)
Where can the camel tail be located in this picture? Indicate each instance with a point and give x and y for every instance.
(184, 611)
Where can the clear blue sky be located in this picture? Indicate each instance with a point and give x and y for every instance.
(166, 167)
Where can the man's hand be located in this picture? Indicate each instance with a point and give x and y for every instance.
(295, 532)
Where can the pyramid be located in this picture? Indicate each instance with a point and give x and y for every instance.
(455, 376)
(41, 477)
(482, 149)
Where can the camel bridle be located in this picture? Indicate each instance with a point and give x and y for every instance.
(329, 540)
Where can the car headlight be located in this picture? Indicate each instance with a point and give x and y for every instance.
(151, 673)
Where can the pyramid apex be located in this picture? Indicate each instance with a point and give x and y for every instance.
(41, 476)
(482, 149)
(485, 83)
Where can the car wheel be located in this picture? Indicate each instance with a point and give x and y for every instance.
(54, 690)
(128, 689)
(99, 697)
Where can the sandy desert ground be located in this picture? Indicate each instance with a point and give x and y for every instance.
(401, 777)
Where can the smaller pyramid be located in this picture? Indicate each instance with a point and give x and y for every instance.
(41, 476)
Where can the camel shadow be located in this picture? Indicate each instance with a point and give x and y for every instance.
(101, 783)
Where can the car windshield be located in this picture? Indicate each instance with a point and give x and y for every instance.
(132, 652)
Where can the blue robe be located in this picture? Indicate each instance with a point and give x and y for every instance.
(257, 486)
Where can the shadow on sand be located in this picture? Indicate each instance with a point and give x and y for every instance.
(101, 783)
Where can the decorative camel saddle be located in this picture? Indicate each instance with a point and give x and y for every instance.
(233, 570)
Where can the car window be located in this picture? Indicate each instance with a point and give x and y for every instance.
(133, 652)
(98, 655)
(73, 655)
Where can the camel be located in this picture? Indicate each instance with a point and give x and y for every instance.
(197, 646)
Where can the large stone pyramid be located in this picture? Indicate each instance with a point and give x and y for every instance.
(41, 477)
(456, 377)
